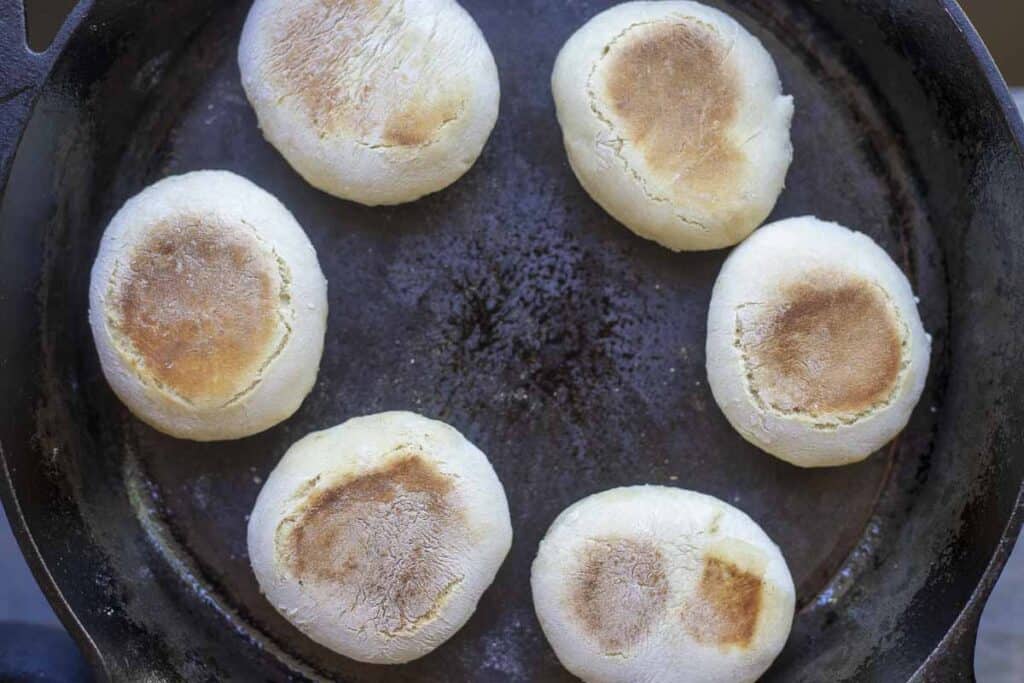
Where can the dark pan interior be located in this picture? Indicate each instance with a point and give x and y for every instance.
(514, 308)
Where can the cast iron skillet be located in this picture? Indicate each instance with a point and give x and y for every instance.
(511, 306)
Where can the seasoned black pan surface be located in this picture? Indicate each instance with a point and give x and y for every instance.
(510, 305)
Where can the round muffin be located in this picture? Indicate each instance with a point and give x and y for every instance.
(674, 122)
(376, 102)
(652, 583)
(376, 538)
(815, 349)
(208, 307)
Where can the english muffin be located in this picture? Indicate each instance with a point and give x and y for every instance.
(652, 583)
(377, 102)
(208, 307)
(377, 537)
(674, 121)
(815, 349)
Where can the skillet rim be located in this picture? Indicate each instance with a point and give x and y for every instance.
(953, 652)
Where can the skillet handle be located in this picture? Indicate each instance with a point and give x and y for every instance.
(953, 659)
(22, 73)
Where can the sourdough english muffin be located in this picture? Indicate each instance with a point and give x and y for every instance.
(377, 537)
(652, 583)
(815, 349)
(674, 121)
(377, 102)
(208, 307)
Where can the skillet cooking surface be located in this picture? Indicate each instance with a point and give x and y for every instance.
(511, 306)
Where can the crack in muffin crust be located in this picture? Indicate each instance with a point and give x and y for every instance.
(620, 592)
(360, 68)
(199, 309)
(671, 93)
(385, 541)
(830, 347)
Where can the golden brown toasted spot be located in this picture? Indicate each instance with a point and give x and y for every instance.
(673, 94)
(620, 592)
(199, 304)
(832, 344)
(418, 125)
(360, 69)
(727, 605)
(384, 539)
